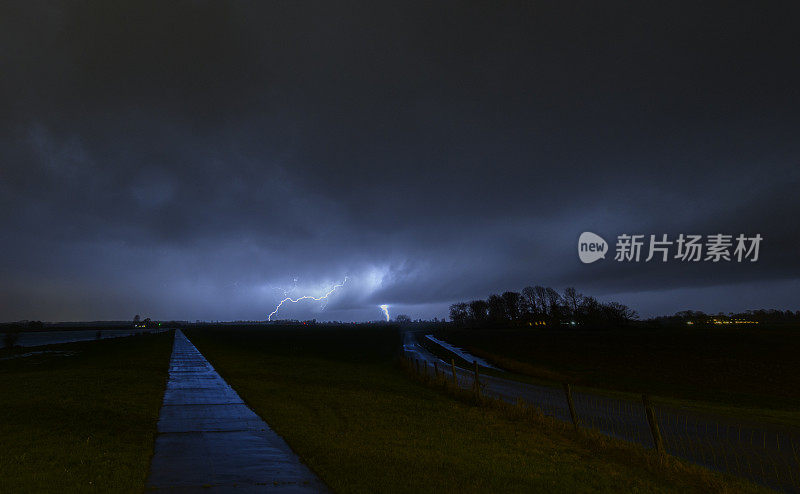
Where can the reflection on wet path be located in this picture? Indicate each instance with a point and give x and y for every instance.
(209, 440)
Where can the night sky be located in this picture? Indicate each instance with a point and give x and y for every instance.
(190, 160)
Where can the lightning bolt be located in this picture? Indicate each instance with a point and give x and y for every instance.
(305, 297)
(385, 309)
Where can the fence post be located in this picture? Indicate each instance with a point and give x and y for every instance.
(477, 380)
(651, 419)
(455, 379)
(417, 361)
(572, 413)
(436, 369)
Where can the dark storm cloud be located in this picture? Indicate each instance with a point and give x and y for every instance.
(187, 159)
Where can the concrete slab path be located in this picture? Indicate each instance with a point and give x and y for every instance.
(210, 441)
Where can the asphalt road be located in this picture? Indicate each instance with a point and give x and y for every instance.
(766, 453)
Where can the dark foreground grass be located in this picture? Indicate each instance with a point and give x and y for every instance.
(84, 422)
(753, 372)
(346, 406)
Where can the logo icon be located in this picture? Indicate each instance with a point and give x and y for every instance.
(591, 247)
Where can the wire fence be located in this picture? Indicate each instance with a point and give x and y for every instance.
(767, 454)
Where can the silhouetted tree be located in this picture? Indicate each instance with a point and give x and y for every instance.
(541, 300)
(479, 311)
(497, 309)
(589, 311)
(618, 314)
(459, 313)
(512, 302)
(555, 304)
(543, 303)
(529, 304)
(572, 300)
(402, 319)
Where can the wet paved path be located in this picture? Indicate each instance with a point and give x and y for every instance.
(210, 441)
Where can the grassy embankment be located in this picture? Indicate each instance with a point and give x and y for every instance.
(84, 421)
(340, 399)
(752, 373)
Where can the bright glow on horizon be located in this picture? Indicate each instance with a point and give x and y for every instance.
(385, 309)
(307, 297)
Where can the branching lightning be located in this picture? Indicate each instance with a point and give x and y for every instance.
(284, 290)
(385, 309)
(305, 297)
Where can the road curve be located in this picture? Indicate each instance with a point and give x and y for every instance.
(766, 453)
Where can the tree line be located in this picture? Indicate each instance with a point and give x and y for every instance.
(538, 305)
(762, 316)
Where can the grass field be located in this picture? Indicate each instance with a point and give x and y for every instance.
(84, 421)
(755, 372)
(340, 399)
